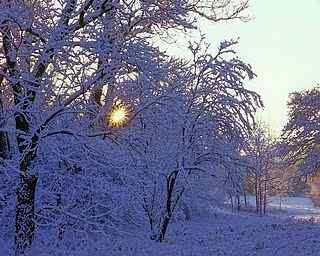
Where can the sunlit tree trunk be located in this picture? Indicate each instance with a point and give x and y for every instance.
(265, 196)
(260, 196)
(256, 193)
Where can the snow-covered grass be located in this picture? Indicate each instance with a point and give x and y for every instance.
(233, 234)
(222, 233)
(227, 234)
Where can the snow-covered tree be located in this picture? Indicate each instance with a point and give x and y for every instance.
(261, 150)
(65, 65)
(196, 132)
(301, 135)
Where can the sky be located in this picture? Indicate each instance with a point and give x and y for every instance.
(282, 43)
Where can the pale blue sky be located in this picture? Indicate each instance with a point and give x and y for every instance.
(282, 43)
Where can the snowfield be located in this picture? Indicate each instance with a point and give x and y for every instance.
(236, 234)
(218, 232)
(297, 207)
(227, 234)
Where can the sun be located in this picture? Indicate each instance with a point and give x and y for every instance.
(118, 116)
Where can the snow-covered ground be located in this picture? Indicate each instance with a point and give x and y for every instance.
(231, 233)
(218, 232)
(227, 233)
(298, 207)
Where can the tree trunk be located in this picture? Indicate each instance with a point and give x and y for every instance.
(4, 145)
(265, 196)
(257, 194)
(245, 198)
(25, 194)
(4, 141)
(260, 197)
(61, 225)
(171, 181)
(231, 201)
(25, 224)
(238, 203)
(164, 227)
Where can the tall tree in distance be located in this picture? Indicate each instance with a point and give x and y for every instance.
(301, 135)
